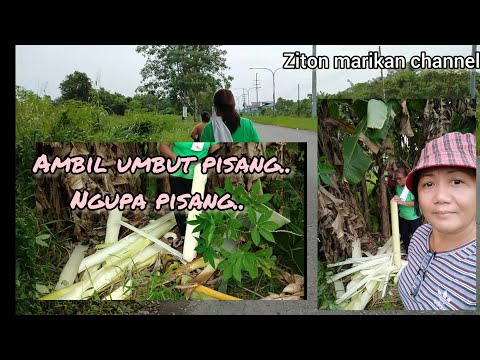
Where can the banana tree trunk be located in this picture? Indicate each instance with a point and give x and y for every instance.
(366, 207)
(384, 213)
(151, 179)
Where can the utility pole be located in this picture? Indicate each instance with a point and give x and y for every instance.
(256, 88)
(473, 76)
(381, 73)
(314, 85)
(273, 78)
(298, 101)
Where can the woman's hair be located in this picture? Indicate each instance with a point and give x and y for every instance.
(402, 169)
(224, 102)
(205, 116)
(416, 179)
(416, 204)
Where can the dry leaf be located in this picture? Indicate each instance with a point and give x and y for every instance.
(75, 181)
(292, 288)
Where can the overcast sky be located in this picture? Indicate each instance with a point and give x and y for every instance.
(41, 68)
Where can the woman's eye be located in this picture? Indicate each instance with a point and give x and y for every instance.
(457, 182)
(428, 184)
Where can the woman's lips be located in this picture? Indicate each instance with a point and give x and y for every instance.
(443, 213)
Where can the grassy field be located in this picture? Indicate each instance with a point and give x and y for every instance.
(156, 127)
(290, 122)
(172, 128)
(180, 130)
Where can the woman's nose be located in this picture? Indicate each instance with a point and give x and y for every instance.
(441, 193)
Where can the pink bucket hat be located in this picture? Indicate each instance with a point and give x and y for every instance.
(452, 149)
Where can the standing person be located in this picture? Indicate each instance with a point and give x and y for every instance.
(197, 130)
(227, 125)
(441, 269)
(181, 183)
(408, 219)
(391, 182)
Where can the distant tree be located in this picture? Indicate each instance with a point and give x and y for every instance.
(105, 98)
(120, 104)
(285, 107)
(182, 71)
(146, 102)
(401, 84)
(205, 100)
(76, 86)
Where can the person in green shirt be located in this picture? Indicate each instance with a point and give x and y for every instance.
(408, 220)
(181, 183)
(241, 129)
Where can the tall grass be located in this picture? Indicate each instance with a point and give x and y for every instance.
(325, 292)
(37, 120)
(286, 121)
(78, 121)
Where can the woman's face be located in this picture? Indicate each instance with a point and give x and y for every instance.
(447, 197)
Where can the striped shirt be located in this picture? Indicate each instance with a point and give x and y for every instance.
(450, 276)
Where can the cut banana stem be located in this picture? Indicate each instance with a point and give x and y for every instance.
(90, 272)
(101, 255)
(214, 293)
(357, 248)
(121, 293)
(113, 227)
(156, 241)
(397, 260)
(190, 243)
(69, 272)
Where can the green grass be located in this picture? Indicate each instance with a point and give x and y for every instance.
(149, 286)
(252, 289)
(325, 292)
(146, 127)
(88, 307)
(285, 121)
(391, 301)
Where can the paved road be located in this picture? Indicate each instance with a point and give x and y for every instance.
(278, 133)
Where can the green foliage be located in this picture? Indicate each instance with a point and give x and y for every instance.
(324, 169)
(113, 103)
(423, 84)
(149, 103)
(40, 119)
(244, 261)
(356, 161)
(289, 197)
(149, 286)
(251, 231)
(378, 135)
(292, 108)
(181, 72)
(377, 112)
(325, 292)
(76, 86)
(290, 245)
(252, 289)
(26, 249)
